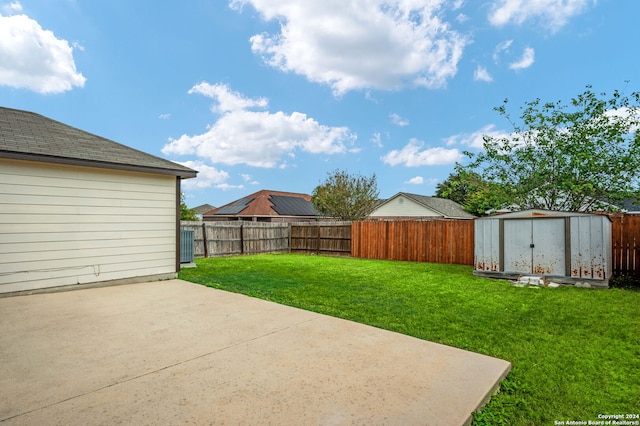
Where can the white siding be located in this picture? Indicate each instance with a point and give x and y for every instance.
(64, 225)
(406, 207)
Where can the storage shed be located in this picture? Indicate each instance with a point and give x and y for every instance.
(559, 246)
(79, 209)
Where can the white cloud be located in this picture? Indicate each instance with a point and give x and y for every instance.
(397, 120)
(501, 48)
(376, 139)
(553, 14)
(476, 139)
(527, 59)
(164, 116)
(462, 18)
(412, 156)
(360, 44)
(418, 180)
(257, 138)
(227, 99)
(12, 7)
(34, 58)
(249, 179)
(207, 176)
(481, 74)
(228, 187)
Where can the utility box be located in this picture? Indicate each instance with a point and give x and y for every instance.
(186, 246)
(569, 248)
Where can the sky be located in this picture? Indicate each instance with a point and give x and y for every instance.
(277, 94)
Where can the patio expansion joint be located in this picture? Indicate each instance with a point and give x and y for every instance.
(166, 367)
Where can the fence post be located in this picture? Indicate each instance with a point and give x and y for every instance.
(241, 238)
(204, 239)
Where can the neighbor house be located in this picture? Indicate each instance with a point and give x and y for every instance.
(266, 206)
(200, 210)
(76, 208)
(404, 206)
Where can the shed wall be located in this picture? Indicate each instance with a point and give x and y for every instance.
(591, 248)
(65, 225)
(487, 245)
(575, 247)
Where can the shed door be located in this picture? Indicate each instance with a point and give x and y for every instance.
(535, 246)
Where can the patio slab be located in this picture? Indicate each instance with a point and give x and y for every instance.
(172, 352)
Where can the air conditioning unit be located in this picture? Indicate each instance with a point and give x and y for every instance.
(186, 245)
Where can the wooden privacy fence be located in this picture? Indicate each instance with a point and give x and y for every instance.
(438, 241)
(329, 238)
(239, 237)
(226, 238)
(625, 235)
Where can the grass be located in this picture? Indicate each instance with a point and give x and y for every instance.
(575, 353)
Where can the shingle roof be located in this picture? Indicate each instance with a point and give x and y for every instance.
(268, 203)
(631, 205)
(203, 208)
(445, 207)
(29, 136)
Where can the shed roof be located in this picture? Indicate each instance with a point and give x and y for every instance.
(532, 213)
(268, 203)
(26, 135)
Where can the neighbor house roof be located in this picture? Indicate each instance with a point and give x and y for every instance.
(26, 135)
(631, 206)
(203, 208)
(442, 206)
(268, 203)
(448, 208)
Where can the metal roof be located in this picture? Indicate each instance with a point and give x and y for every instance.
(26, 135)
(534, 213)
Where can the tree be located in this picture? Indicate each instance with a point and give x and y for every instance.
(459, 186)
(346, 197)
(474, 193)
(567, 157)
(185, 212)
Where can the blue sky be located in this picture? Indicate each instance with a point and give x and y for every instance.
(275, 94)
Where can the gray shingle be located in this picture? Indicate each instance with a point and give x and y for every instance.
(27, 134)
(447, 208)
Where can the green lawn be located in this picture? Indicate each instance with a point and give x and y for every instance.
(575, 353)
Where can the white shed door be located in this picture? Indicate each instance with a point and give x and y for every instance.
(535, 246)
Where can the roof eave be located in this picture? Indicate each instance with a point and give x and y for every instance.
(184, 174)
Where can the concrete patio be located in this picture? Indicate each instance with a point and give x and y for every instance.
(173, 352)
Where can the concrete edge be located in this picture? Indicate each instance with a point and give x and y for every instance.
(495, 389)
(98, 284)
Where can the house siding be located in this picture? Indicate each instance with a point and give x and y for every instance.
(394, 208)
(65, 225)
